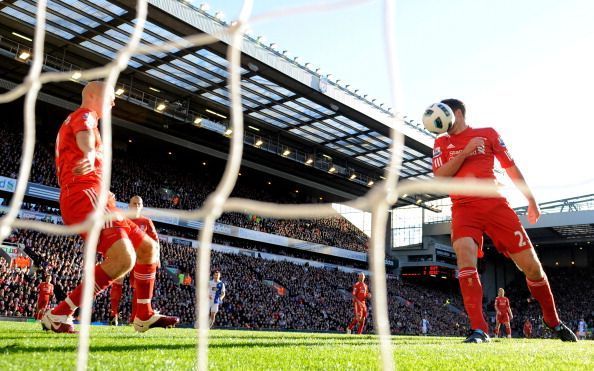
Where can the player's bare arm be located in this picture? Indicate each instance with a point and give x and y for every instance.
(86, 143)
(451, 167)
(516, 176)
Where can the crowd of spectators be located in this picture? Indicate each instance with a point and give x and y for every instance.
(262, 294)
(174, 184)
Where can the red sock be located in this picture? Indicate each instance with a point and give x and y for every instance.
(361, 326)
(144, 281)
(541, 291)
(496, 331)
(69, 305)
(508, 330)
(115, 296)
(472, 293)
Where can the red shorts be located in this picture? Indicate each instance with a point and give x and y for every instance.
(494, 217)
(77, 204)
(503, 318)
(360, 309)
(42, 304)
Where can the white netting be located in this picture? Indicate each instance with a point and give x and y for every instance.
(378, 201)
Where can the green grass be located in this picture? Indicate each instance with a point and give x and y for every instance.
(23, 346)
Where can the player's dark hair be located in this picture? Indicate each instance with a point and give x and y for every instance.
(455, 104)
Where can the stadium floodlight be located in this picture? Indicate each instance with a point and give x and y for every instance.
(285, 52)
(353, 176)
(220, 15)
(76, 75)
(22, 36)
(319, 71)
(24, 56)
(370, 183)
(205, 7)
(404, 195)
(161, 106)
(216, 113)
(286, 152)
(198, 121)
(273, 46)
(296, 59)
(309, 161)
(261, 39)
(253, 128)
(228, 132)
(419, 202)
(307, 65)
(332, 170)
(154, 89)
(119, 91)
(329, 76)
(258, 143)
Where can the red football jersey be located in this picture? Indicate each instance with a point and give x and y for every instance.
(46, 289)
(360, 291)
(67, 152)
(502, 304)
(480, 163)
(147, 226)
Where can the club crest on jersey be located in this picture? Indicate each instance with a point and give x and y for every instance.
(436, 152)
(501, 143)
(89, 120)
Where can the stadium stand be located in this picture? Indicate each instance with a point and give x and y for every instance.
(167, 184)
(263, 294)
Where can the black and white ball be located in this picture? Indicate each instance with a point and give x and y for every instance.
(438, 118)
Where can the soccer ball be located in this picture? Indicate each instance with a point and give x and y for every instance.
(438, 118)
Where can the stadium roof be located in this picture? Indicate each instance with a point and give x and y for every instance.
(281, 98)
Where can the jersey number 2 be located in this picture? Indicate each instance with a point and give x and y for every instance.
(520, 235)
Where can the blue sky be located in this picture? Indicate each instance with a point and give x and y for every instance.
(524, 67)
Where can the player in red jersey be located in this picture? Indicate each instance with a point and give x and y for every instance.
(527, 329)
(504, 313)
(360, 294)
(45, 292)
(147, 226)
(79, 165)
(466, 152)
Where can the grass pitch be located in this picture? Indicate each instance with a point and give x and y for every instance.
(23, 346)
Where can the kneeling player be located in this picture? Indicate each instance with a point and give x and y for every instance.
(504, 313)
(216, 295)
(360, 294)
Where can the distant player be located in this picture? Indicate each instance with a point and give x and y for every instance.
(527, 329)
(216, 294)
(360, 295)
(582, 327)
(147, 226)
(504, 313)
(466, 152)
(79, 165)
(425, 326)
(45, 293)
